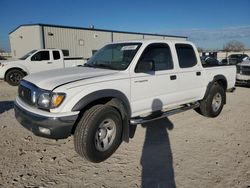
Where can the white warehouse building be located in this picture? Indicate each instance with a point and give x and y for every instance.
(80, 42)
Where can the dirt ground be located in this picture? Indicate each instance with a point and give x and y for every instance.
(186, 150)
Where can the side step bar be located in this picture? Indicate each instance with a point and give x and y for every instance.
(141, 120)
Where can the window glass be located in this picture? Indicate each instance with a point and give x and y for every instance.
(186, 55)
(159, 53)
(27, 55)
(40, 56)
(65, 52)
(115, 56)
(56, 55)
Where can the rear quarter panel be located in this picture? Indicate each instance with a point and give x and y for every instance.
(229, 72)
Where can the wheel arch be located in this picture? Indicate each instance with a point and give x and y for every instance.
(221, 80)
(14, 68)
(218, 79)
(110, 97)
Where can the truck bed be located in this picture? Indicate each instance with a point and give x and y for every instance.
(225, 70)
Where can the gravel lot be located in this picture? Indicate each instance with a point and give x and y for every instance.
(186, 150)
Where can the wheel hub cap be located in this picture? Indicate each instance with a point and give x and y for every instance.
(105, 135)
(15, 77)
(217, 101)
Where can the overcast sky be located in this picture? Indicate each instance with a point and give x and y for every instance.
(209, 24)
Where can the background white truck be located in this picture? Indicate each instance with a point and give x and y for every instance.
(35, 61)
(122, 85)
(243, 72)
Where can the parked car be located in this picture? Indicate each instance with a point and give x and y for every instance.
(243, 72)
(208, 61)
(35, 61)
(120, 86)
(234, 59)
(2, 58)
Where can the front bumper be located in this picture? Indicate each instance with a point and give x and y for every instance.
(49, 127)
(2, 73)
(242, 79)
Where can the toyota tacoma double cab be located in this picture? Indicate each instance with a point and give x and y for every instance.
(123, 84)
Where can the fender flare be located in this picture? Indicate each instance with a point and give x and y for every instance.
(218, 78)
(103, 94)
(18, 67)
(117, 100)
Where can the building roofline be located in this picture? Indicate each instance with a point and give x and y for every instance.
(90, 29)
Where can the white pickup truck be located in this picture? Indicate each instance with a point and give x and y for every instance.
(122, 85)
(35, 61)
(243, 72)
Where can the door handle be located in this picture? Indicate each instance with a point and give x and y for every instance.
(140, 81)
(173, 77)
(49, 63)
(198, 73)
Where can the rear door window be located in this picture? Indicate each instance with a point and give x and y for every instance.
(186, 55)
(56, 55)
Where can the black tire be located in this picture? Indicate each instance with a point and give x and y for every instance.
(210, 106)
(14, 76)
(87, 136)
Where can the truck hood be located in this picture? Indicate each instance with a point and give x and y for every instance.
(50, 79)
(245, 63)
(9, 62)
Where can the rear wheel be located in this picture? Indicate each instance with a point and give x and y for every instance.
(14, 76)
(213, 104)
(98, 133)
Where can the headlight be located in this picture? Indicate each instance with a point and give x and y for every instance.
(49, 100)
(44, 100)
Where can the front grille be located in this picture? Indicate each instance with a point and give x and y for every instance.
(25, 94)
(245, 70)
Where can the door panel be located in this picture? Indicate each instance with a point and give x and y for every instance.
(42, 61)
(191, 74)
(152, 90)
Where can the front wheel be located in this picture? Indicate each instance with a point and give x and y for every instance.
(213, 104)
(98, 133)
(14, 76)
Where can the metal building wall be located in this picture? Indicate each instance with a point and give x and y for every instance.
(153, 37)
(126, 36)
(80, 43)
(64, 38)
(94, 40)
(164, 37)
(24, 39)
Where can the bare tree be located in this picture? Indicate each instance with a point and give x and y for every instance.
(200, 50)
(234, 46)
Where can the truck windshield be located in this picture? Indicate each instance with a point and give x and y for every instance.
(114, 56)
(27, 55)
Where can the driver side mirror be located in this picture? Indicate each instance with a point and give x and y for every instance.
(145, 66)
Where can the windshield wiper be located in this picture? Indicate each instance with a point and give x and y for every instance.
(105, 66)
(100, 65)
